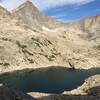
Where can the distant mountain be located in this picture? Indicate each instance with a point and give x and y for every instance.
(33, 17)
(90, 27)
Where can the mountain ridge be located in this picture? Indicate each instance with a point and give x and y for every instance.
(89, 27)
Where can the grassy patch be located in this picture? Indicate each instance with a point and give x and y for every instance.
(98, 46)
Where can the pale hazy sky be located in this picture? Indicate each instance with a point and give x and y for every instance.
(65, 10)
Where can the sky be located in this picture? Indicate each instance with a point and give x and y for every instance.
(63, 10)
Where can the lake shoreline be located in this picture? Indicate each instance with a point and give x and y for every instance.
(58, 79)
(33, 68)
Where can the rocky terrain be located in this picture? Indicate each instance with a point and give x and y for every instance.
(29, 39)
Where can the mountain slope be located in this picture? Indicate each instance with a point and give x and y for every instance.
(25, 47)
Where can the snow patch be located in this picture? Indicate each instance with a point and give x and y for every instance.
(46, 29)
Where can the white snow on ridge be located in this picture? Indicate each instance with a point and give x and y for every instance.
(46, 29)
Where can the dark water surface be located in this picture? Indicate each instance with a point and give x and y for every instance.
(48, 80)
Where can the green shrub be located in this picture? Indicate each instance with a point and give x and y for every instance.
(98, 46)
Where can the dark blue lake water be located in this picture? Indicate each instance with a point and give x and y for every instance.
(47, 80)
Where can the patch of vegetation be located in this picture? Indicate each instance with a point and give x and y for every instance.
(98, 46)
(4, 64)
(6, 39)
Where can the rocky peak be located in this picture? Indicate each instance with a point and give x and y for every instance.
(33, 17)
(30, 15)
(27, 9)
(27, 6)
